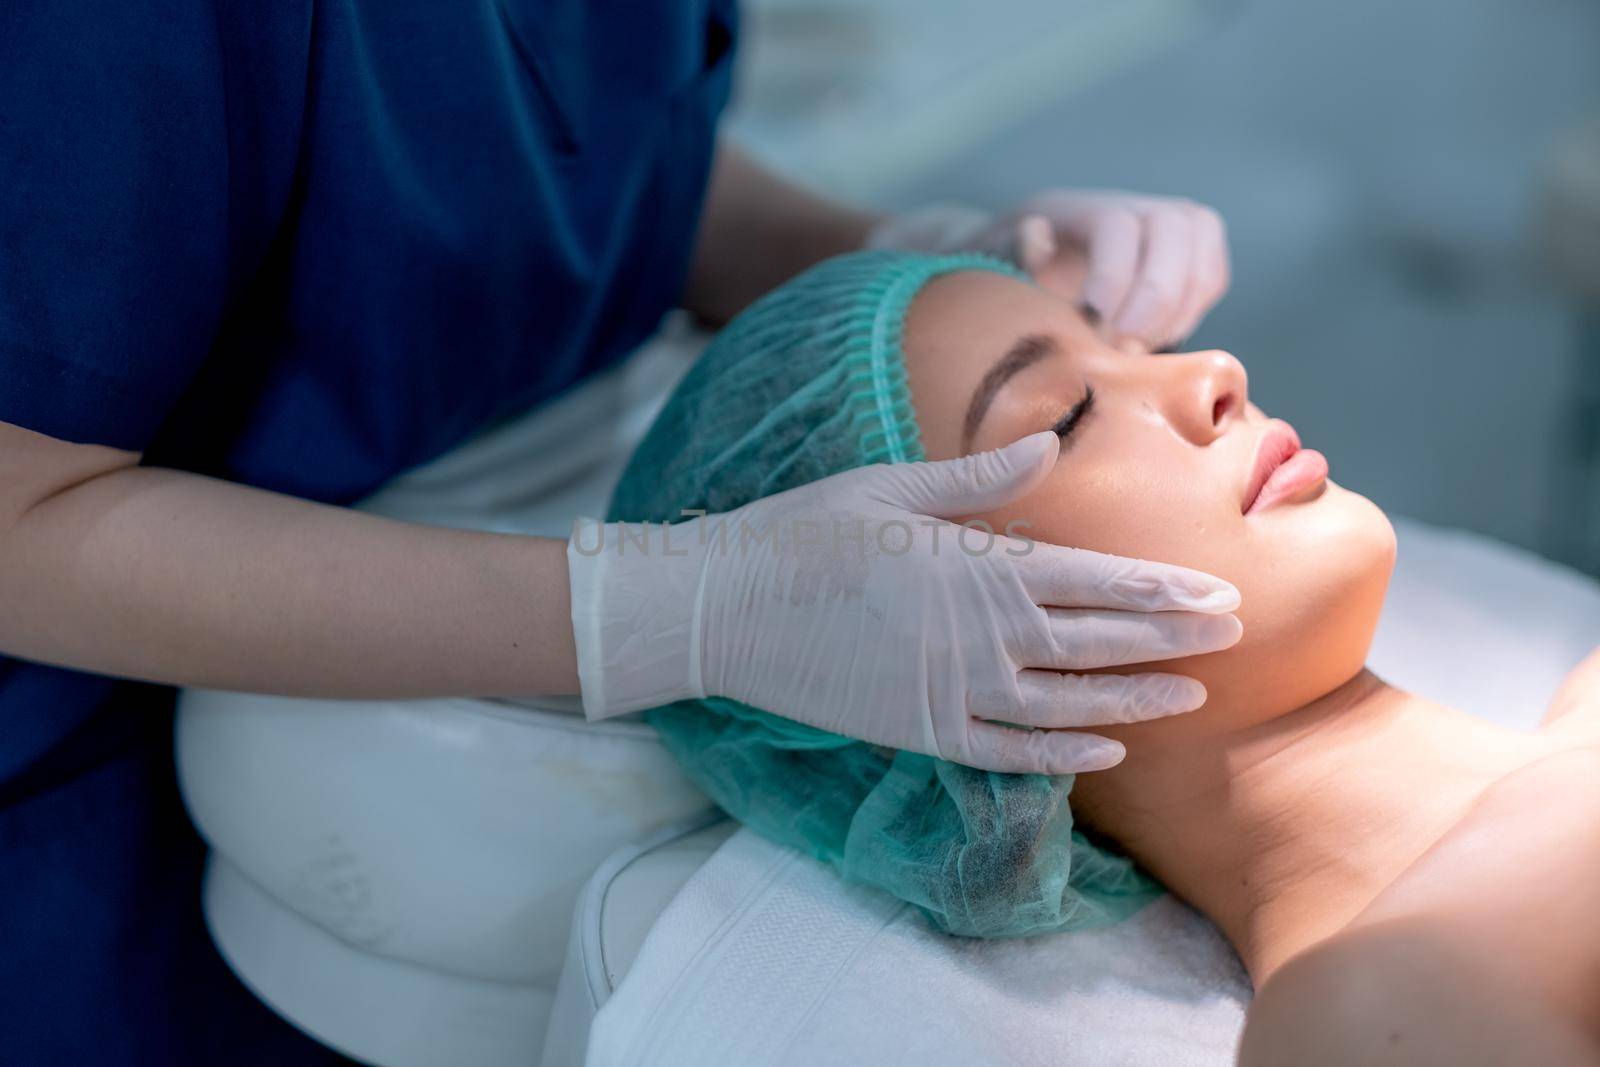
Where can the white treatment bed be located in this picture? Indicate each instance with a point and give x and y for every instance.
(400, 879)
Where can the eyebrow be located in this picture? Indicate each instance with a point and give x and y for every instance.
(1027, 351)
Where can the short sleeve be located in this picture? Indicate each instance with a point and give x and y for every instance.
(132, 202)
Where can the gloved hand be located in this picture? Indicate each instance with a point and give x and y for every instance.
(1148, 267)
(843, 605)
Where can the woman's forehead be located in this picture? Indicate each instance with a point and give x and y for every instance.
(966, 328)
(983, 314)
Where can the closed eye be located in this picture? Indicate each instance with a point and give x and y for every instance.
(1071, 419)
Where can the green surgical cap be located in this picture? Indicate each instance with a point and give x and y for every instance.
(807, 382)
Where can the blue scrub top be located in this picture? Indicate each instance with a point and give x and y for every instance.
(303, 245)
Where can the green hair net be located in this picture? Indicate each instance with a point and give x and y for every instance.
(808, 382)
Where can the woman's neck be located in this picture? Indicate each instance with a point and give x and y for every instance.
(1283, 830)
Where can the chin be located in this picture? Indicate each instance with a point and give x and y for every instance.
(1365, 538)
(1341, 539)
(1312, 589)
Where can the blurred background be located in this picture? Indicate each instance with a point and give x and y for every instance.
(1412, 193)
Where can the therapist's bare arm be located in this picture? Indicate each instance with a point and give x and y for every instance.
(757, 231)
(172, 577)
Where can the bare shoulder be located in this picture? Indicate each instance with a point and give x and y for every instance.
(1575, 709)
(1486, 950)
(1408, 992)
(1533, 835)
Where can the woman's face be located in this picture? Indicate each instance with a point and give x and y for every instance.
(1160, 464)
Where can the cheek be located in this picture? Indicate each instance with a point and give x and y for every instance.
(1311, 577)
(1312, 582)
(1148, 508)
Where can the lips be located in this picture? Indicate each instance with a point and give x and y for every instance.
(1282, 468)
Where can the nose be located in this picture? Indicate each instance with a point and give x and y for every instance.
(1202, 393)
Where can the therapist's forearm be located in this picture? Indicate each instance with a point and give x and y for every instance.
(759, 230)
(176, 578)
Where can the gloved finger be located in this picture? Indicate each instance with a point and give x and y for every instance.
(1190, 310)
(983, 481)
(1053, 700)
(1214, 238)
(1208, 274)
(1162, 279)
(1056, 576)
(1036, 243)
(1083, 639)
(1113, 237)
(992, 747)
(1176, 324)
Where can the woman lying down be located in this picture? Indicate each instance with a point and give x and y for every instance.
(1405, 883)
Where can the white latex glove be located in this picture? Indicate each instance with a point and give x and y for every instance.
(926, 649)
(1148, 267)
